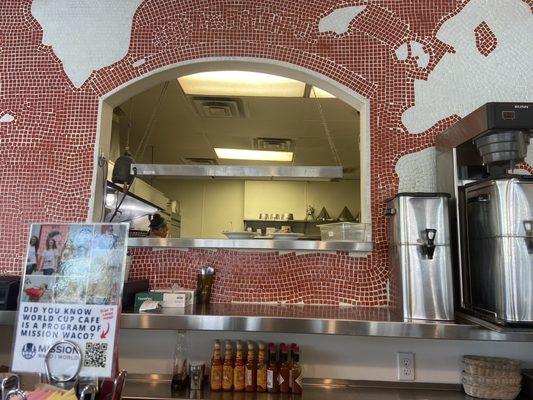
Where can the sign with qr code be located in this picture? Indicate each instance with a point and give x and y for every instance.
(72, 287)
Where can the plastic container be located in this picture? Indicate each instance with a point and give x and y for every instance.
(348, 231)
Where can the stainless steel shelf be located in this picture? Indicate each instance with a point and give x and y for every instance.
(174, 171)
(251, 244)
(331, 320)
(308, 319)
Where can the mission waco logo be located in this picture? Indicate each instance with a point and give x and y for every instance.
(28, 351)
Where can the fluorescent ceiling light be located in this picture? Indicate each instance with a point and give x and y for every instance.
(320, 93)
(255, 155)
(240, 83)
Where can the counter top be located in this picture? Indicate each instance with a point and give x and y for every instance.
(312, 319)
(314, 389)
(306, 319)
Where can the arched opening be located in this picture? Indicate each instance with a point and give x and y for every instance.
(138, 85)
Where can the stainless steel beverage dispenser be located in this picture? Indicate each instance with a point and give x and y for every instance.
(420, 255)
(492, 210)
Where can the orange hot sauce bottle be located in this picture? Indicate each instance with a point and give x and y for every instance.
(238, 370)
(227, 369)
(261, 369)
(250, 370)
(216, 369)
(272, 370)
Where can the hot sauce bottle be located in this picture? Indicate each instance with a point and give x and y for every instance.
(296, 370)
(284, 369)
(216, 369)
(238, 370)
(250, 370)
(261, 369)
(227, 369)
(272, 370)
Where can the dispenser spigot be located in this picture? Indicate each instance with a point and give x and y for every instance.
(429, 245)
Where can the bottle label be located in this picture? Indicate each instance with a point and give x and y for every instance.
(262, 378)
(270, 379)
(249, 377)
(216, 377)
(290, 379)
(227, 377)
(239, 377)
(298, 380)
(280, 379)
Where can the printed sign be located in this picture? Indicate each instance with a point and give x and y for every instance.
(72, 286)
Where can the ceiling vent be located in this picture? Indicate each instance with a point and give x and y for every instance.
(213, 107)
(199, 161)
(273, 144)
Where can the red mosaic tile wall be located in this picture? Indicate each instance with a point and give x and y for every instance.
(46, 152)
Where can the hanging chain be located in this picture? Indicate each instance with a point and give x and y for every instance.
(151, 123)
(326, 130)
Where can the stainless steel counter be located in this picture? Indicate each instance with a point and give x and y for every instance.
(252, 244)
(314, 389)
(308, 319)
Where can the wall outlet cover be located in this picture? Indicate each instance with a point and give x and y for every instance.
(406, 366)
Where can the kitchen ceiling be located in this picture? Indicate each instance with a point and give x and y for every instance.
(182, 128)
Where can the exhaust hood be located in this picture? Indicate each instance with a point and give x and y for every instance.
(180, 171)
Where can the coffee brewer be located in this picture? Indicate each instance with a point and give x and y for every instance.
(492, 209)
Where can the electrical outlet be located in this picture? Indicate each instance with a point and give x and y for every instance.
(406, 366)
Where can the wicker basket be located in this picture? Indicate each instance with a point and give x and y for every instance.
(491, 367)
(511, 381)
(491, 392)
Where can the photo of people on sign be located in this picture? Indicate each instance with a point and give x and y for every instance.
(71, 290)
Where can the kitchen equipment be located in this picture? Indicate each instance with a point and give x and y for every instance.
(500, 247)
(323, 215)
(420, 255)
(349, 231)
(286, 236)
(346, 215)
(263, 216)
(9, 291)
(275, 217)
(239, 235)
(287, 216)
(476, 158)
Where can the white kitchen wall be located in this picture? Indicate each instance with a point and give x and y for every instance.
(324, 356)
(209, 207)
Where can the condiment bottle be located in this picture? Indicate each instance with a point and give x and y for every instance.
(250, 370)
(216, 369)
(261, 369)
(238, 370)
(284, 369)
(296, 370)
(272, 370)
(179, 374)
(227, 369)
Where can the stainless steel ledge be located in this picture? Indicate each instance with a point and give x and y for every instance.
(308, 319)
(184, 171)
(252, 244)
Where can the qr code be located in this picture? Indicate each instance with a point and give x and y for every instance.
(95, 355)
